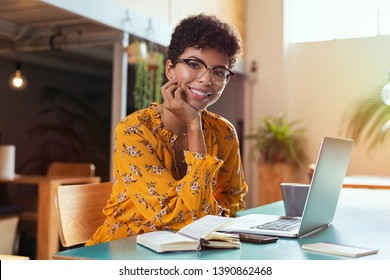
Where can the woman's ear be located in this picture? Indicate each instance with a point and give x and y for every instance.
(169, 70)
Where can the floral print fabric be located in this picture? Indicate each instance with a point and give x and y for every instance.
(148, 194)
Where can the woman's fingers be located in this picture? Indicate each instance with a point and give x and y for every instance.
(175, 101)
(173, 96)
(171, 84)
(168, 91)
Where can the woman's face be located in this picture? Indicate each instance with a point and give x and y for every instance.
(199, 92)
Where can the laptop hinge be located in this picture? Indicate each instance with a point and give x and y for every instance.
(314, 231)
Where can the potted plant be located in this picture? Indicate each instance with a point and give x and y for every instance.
(369, 118)
(148, 80)
(282, 150)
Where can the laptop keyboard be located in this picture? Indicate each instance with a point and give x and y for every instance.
(283, 224)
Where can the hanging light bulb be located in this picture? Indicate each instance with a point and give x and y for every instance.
(17, 80)
(137, 52)
(385, 94)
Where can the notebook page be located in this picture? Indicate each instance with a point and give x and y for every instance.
(204, 226)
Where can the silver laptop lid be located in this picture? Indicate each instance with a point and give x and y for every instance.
(331, 167)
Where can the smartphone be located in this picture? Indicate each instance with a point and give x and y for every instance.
(256, 238)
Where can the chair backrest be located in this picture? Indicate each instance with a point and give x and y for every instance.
(9, 224)
(79, 211)
(59, 168)
(13, 257)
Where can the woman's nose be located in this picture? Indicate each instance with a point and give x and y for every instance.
(207, 77)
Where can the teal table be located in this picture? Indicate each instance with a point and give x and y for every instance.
(362, 219)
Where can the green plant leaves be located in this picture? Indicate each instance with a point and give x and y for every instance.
(148, 80)
(277, 140)
(367, 120)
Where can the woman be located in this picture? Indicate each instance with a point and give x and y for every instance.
(176, 162)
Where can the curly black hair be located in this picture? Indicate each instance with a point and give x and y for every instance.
(205, 30)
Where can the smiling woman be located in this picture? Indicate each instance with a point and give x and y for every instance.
(197, 68)
(176, 162)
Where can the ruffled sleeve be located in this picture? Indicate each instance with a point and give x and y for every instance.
(146, 188)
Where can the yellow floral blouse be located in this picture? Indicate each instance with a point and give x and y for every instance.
(148, 194)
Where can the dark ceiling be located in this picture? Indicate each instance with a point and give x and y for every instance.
(40, 33)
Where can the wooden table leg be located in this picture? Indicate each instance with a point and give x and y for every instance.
(47, 235)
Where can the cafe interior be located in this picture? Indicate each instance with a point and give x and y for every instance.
(70, 71)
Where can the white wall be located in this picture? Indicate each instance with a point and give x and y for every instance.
(314, 83)
(265, 93)
(325, 79)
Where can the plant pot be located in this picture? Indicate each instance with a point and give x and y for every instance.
(270, 178)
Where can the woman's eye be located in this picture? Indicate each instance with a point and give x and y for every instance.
(219, 73)
(194, 64)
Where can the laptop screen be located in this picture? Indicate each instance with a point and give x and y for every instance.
(331, 167)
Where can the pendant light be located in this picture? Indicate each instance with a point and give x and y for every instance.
(17, 80)
(385, 93)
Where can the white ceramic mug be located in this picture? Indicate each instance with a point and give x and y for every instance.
(7, 161)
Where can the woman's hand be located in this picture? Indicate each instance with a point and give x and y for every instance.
(174, 101)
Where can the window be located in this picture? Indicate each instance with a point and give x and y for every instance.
(384, 17)
(320, 20)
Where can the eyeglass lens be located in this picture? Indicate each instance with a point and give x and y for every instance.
(197, 69)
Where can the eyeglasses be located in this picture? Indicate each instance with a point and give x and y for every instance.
(197, 68)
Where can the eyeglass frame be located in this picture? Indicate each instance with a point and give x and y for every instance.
(186, 60)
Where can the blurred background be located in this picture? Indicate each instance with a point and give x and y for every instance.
(86, 64)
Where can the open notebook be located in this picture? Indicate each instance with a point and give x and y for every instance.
(331, 167)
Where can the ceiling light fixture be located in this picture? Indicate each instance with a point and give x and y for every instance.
(137, 52)
(386, 92)
(17, 81)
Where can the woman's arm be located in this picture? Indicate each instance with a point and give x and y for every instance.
(231, 187)
(145, 168)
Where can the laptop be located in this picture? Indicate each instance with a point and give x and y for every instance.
(321, 202)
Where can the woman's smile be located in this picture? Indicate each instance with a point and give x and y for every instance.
(200, 93)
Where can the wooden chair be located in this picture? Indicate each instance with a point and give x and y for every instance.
(310, 171)
(9, 223)
(71, 169)
(79, 211)
(59, 168)
(13, 257)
